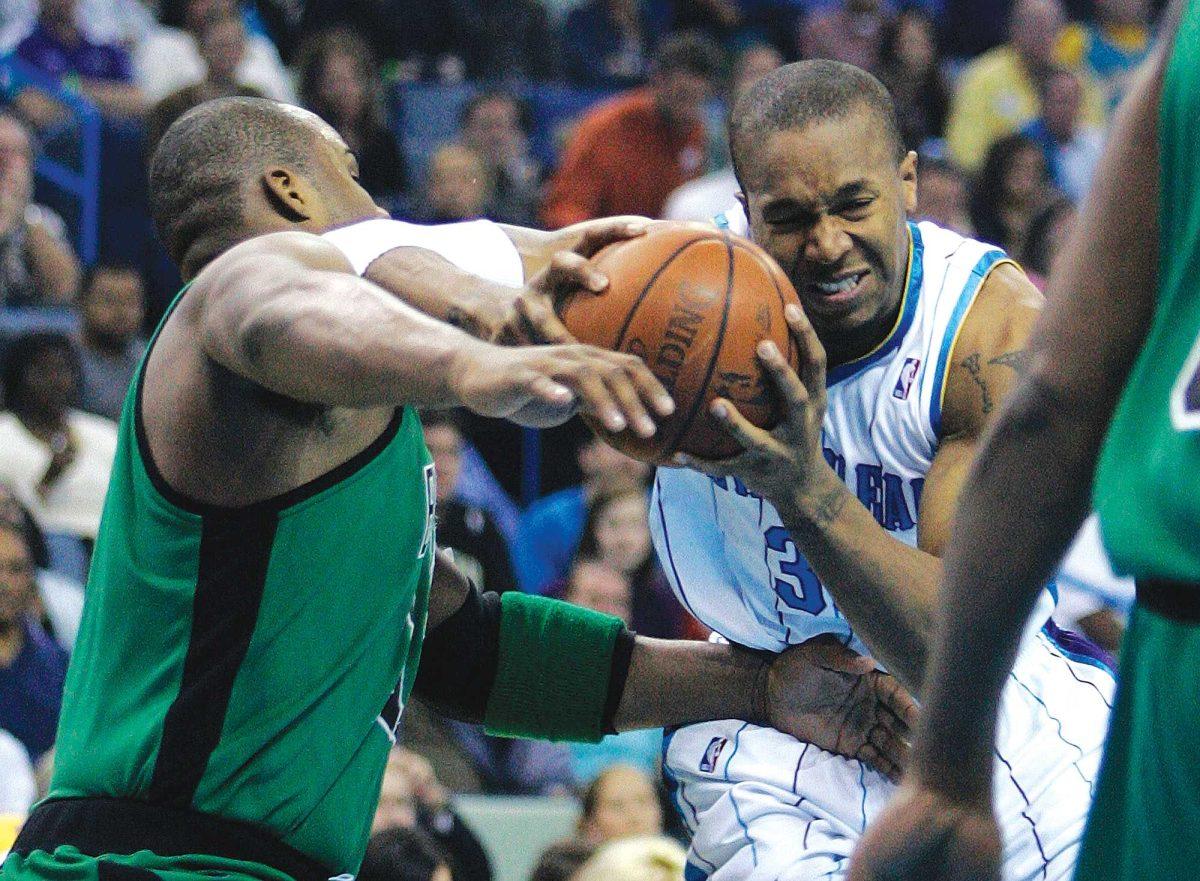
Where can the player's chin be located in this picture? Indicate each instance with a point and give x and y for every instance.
(540, 414)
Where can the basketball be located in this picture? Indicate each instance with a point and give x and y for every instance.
(693, 302)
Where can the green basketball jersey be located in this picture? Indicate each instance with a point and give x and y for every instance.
(252, 663)
(1147, 491)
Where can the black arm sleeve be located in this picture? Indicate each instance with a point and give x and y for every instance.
(460, 656)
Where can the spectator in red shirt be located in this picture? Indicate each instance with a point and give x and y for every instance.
(629, 153)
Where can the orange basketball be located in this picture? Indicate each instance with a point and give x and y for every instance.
(693, 302)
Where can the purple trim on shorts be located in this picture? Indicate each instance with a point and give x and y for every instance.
(1078, 647)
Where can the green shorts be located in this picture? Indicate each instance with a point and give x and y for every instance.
(1142, 825)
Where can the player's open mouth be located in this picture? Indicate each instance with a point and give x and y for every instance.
(840, 289)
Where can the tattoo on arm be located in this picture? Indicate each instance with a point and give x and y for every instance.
(972, 366)
(1018, 360)
(829, 506)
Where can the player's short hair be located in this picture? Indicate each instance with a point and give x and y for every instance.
(798, 95)
(202, 161)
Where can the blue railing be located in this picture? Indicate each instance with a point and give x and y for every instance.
(82, 180)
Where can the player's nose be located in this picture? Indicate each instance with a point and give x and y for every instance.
(827, 242)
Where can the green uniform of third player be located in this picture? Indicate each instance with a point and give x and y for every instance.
(244, 663)
(1148, 497)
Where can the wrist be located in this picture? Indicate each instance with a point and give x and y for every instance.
(817, 502)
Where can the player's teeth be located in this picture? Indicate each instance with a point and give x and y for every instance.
(834, 287)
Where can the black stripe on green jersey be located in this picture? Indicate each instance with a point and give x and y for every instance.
(234, 553)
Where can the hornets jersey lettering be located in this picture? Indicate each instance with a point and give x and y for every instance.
(725, 550)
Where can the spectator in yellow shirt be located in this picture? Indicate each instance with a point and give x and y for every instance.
(1111, 46)
(998, 92)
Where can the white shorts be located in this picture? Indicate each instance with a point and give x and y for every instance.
(763, 806)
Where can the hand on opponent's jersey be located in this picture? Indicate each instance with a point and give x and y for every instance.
(786, 463)
(825, 694)
(925, 835)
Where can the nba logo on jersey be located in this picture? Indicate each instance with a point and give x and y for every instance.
(712, 753)
(908, 375)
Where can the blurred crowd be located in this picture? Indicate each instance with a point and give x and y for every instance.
(534, 112)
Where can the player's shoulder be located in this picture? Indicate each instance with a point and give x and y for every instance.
(290, 246)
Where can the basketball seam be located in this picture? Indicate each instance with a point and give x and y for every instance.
(685, 424)
(792, 351)
(637, 303)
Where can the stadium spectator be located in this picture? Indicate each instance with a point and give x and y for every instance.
(942, 196)
(1071, 147)
(458, 186)
(18, 789)
(653, 858)
(413, 797)
(597, 585)
(59, 600)
(846, 30)
(339, 81)
(466, 529)
(561, 860)
(169, 58)
(101, 72)
(32, 666)
(1012, 187)
(404, 854)
(549, 532)
(1109, 45)
(112, 306)
(56, 458)
(998, 92)
(117, 22)
(621, 803)
(705, 197)
(37, 266)
(616, 533)
(222, 45)
(505, 766)
(910, 67)
(629, 153)
(496, 126)
(608, 44)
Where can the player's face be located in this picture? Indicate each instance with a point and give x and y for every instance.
(829, 202)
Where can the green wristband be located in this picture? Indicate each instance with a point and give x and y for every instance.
(554, 664)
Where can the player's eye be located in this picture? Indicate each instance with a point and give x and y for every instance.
(858, 209)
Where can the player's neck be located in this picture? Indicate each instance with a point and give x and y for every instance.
(843, 346)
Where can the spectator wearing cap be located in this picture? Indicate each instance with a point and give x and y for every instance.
(37, 266)
(1110, 45)
(629, 153)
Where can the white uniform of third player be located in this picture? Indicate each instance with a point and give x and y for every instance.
(762, 805)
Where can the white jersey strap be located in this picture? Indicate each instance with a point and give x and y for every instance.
(479, 247)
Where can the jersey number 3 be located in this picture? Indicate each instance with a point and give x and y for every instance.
(795, 583)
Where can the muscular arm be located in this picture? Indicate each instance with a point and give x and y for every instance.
(886, 588)
(286, 312)
(1028, 491)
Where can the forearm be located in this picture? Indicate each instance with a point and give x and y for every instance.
(335, 340)
(675, 682)
(1005, 546)
(117, 99)
(53, 265)
(886, 589)
(433, 285)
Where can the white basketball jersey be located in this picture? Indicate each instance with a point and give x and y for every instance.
(725, 550)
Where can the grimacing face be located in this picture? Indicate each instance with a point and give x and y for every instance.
(829, 202)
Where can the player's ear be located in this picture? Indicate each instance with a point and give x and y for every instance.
(908, 180)
(744, 202)
(289, 193)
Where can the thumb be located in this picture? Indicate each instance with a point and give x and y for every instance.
(835, 656)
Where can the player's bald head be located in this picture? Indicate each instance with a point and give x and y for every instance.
(806, 93)
(204, 159)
